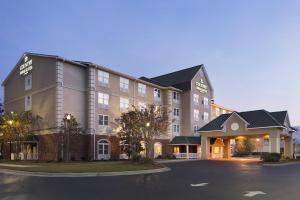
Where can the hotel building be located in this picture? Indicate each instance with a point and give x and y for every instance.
(52, 86)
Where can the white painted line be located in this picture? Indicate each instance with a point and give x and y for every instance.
(199, 185)
(253, 193)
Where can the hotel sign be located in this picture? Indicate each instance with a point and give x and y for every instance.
(201, 86)
(26, 67)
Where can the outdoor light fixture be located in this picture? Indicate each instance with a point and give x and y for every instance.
(257, 139)
(68, 116)
(10, 122)
(148, 124)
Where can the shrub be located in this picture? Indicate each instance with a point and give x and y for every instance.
(167, 156)
(271, 157)
(146, 160)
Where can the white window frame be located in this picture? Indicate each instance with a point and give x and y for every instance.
(176, 112)
(205, 116)
(175, 96)
(124, 84)
(142, 89)
(176, 128)
(28, 104)
(205, 102)
(196, 115)
(124, 104)
(196, 128)
(103, 78)
(103, 120)
(103, 100)
(196, 99)
(157, 94)
(142, 105)
(28, 82)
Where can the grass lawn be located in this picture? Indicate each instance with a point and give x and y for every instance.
(78, 167)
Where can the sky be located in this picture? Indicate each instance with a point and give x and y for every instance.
(250, 48)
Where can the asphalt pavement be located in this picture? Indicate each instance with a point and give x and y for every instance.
(199, 180)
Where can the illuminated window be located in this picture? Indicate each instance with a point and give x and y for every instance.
(28, 82)
(157, 149)
(176, 150)
(196, 114)
(124, 104)
(196, 99)
(176, 112)
(216, 150)
(217, 112)
(142, 106)
(143, 152)
(141, 89)
(103, 120)
(205, 116)
(28, 103)
(124, 84)
(205, 102)
(103, 99)
(156, 93)
(103, 78)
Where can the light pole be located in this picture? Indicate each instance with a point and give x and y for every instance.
(68, 136)
(10, 122)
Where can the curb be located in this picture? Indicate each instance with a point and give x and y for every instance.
(176, 161)
(90, 174)
(280, 164)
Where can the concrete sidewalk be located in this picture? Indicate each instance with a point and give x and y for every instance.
(88, 174)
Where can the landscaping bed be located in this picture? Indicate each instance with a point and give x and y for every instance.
(78, 167)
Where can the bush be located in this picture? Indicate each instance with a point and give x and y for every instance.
(271, 157)
(167, 157)
(146, 160)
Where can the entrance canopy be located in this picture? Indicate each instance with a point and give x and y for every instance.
(185, 140)
(258, 123)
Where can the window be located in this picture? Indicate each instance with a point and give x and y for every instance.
(205, 116)
(103, 120)
(141, 89)
(196, 115)
(103, 150)
(157, 149)
(142, 106)
(28, 82)
(223, 111)
(124, 84)
(103, 78)
(217, 112)
(196, 99)
(28, 103)
(156, 93)
(124, 104)
(103, 99)
(175, 96)
(176, 112)
(175, 128)
(205, 102)
(196, 130)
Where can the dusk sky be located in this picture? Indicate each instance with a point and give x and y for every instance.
(251, 49)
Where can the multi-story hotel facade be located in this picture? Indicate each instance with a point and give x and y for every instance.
(52, 86)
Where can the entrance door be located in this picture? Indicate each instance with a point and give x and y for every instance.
(103, 150)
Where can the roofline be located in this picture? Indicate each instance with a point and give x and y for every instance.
(218, 106)
(131, 77)
(273, 118)
(234, 112)
(38, 55)
(85, 65)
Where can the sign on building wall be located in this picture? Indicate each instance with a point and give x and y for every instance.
(26, 67)
(201, 86)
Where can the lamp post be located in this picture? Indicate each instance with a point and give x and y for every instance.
(68, 135)
(10, 122)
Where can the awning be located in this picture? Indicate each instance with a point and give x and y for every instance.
(185, 140)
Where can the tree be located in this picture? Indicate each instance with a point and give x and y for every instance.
(15, 128)
(1, 108)
(69, 128)
(142, 125)
(244, 147)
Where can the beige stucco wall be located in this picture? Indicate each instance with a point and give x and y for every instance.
(42, 91)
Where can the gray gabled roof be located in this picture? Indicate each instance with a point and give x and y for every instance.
(177, 140)
(255, 119)
(179, 79)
